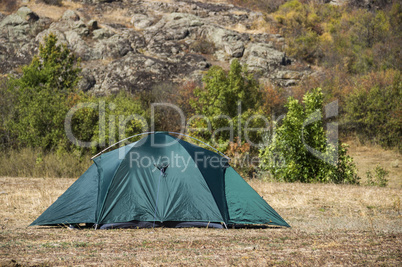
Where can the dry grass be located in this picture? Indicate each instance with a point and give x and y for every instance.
(367, 157)
(8, 6)
(331, 225)
(51, 11)
(119, 16)
(259, 25)
(36, 163)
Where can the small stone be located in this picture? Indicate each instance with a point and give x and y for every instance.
(395, 164)
(70, 15)
(93, 25)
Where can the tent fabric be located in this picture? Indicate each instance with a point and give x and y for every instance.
(160, 179)
(246, 206)
(76, 205)
(140, 224)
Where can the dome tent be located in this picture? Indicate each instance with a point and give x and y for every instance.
(160, 180)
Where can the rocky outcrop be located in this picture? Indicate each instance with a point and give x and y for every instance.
(161, 42)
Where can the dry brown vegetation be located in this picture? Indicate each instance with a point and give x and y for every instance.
(367, 157)
(331, 225)
(52, 11)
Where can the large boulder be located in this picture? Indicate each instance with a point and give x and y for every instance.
(27, 14)
(231, 42)
(262, 58)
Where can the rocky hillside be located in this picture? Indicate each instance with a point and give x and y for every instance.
(134, 45)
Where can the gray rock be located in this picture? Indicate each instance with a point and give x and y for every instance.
(92, 25)
(261, 57)
(395, 164)
(112, 48)
(70, 15)
(177, 21)
(290, 83)
(77, 44)
(87, 81)
(13, 20)
(61, 38)
(27, 14)
(81, 28)
(231, 42)
(164, 42)
(141, 21)
(101, 34)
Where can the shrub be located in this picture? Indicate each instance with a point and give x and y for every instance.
(218, 101)
(203, 46)
(241, 158)
(41, 95)
(379, 178)
(374, 109)
(7, 111)
(273, 100)
(356, 40)
(298, 149)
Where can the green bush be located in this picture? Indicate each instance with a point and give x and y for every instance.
(288, 157)
(7, 111)
(354, 39)
(379, 178)
(218, 101)
(374, 111)
(41, 96)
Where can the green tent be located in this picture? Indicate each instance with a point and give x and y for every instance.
(160, 179)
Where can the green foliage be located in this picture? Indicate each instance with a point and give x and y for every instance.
(7, 110)
(45, 94)
(41, 95)
(288, 158)
(374, 111)
(124, 116)
(219, 101)
(379, 178)
(357, 40)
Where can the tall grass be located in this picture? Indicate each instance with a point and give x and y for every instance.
(33, 162)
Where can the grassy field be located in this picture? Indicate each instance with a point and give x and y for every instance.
(331, 225)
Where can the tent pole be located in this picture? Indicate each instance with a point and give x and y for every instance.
(120, 142)
(144, 133)
(225, 225)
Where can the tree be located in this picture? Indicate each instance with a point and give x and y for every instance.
(7, 111)
(218, 101)
(374, 109)
(289, 156)
(42, 93)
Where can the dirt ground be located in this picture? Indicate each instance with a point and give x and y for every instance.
(331, 225)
